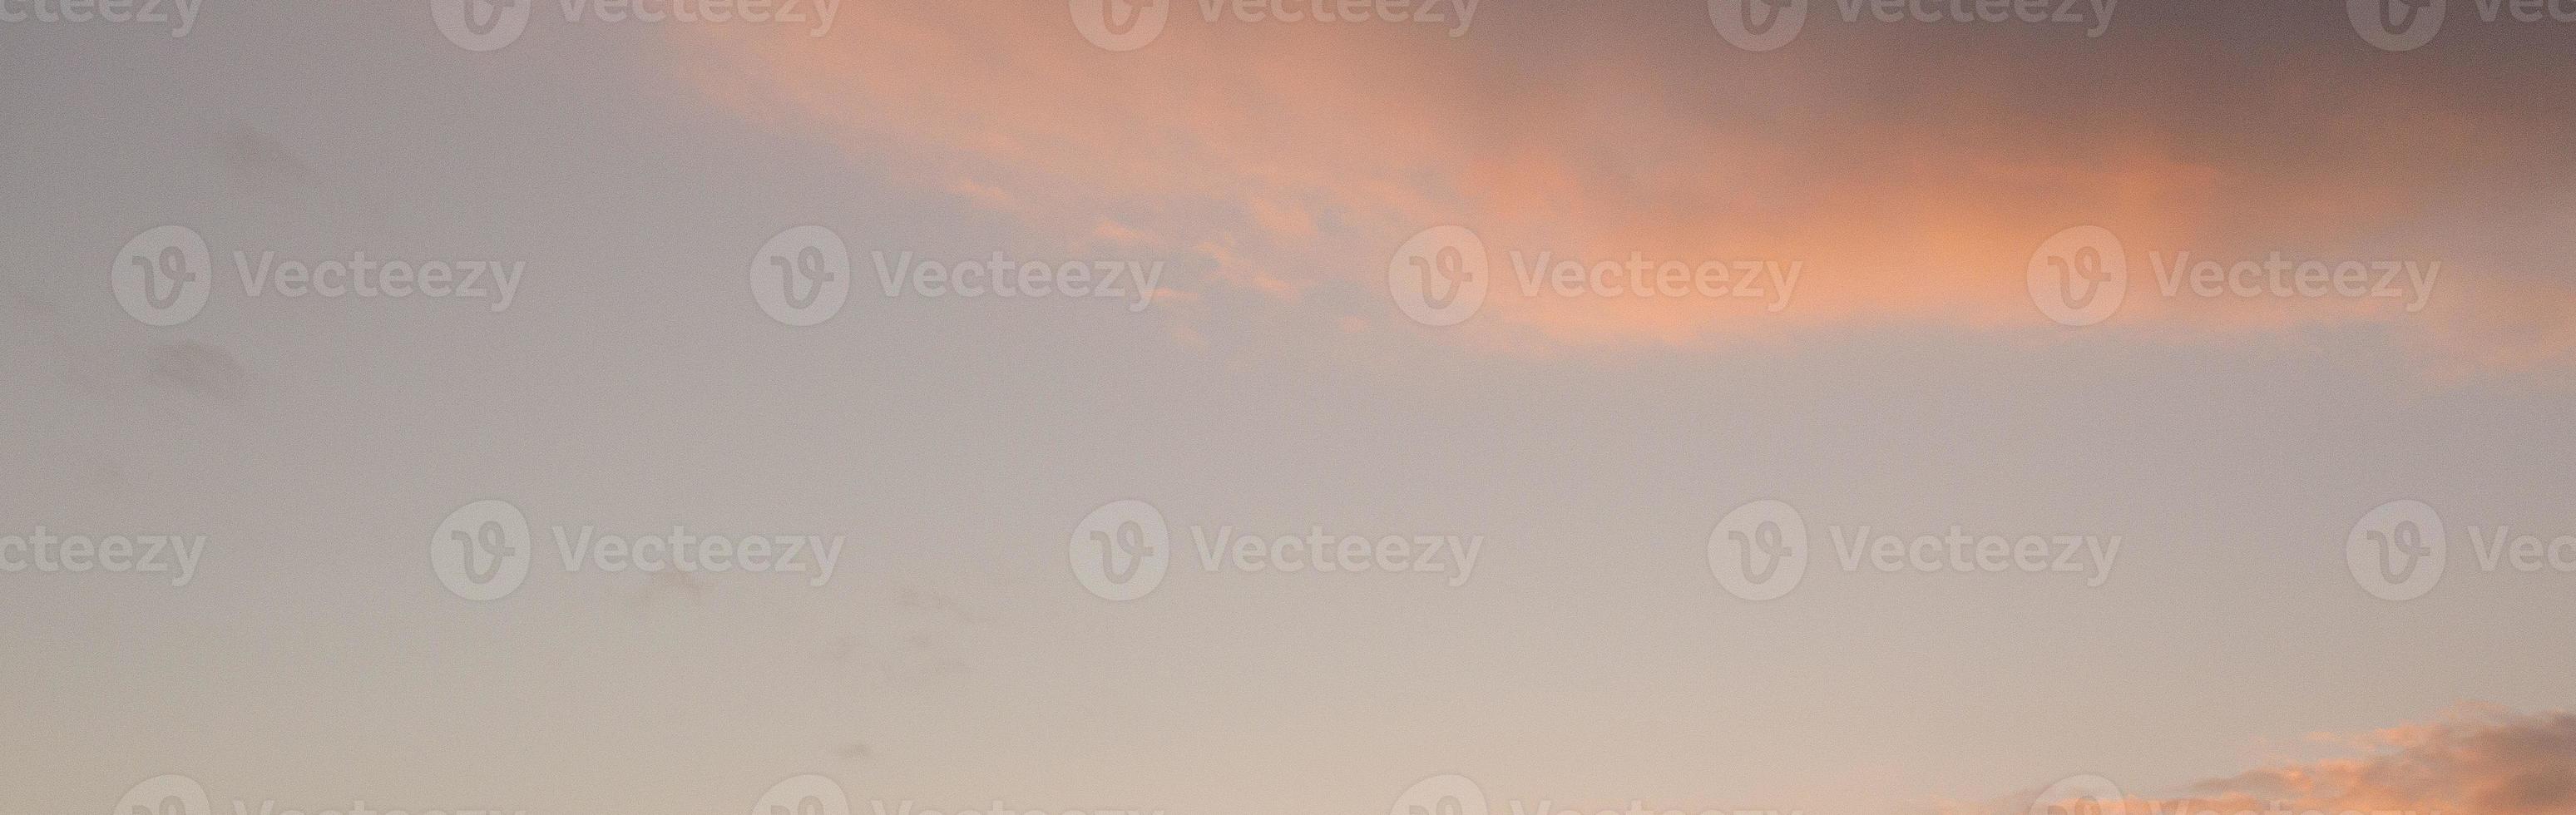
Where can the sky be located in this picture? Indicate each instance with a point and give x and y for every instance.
(1479, 408)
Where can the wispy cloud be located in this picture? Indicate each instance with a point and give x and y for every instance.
(1281, 159)
(2478, 760)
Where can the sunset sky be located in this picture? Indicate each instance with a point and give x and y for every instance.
(1263, 210)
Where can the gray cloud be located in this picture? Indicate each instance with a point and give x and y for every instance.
(254, 156)
(197, 368)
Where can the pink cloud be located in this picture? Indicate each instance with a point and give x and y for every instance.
(1279, 159)
(2478, 760)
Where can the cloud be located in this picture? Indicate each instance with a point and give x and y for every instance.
(2478, 760)
(930, 600)
(117, 369)
(255, 156)
(24, 302)
(1911, 174)
(682, 587)
(199, 369)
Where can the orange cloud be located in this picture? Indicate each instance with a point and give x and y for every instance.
(1909, 182)
(2477, 761)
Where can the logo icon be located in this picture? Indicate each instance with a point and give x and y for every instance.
(804, 795)
(2079, 276)
(2396, 25)
(165, 795)
(481, 25)
(1121, 25)
(801, 276)
(1759, 551)
(1121, 550)
(1441, 795)
(1439, 277)
(2397, 551)
(162, 276)
(2081, 795)
(482, 550)
(1758, 25)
